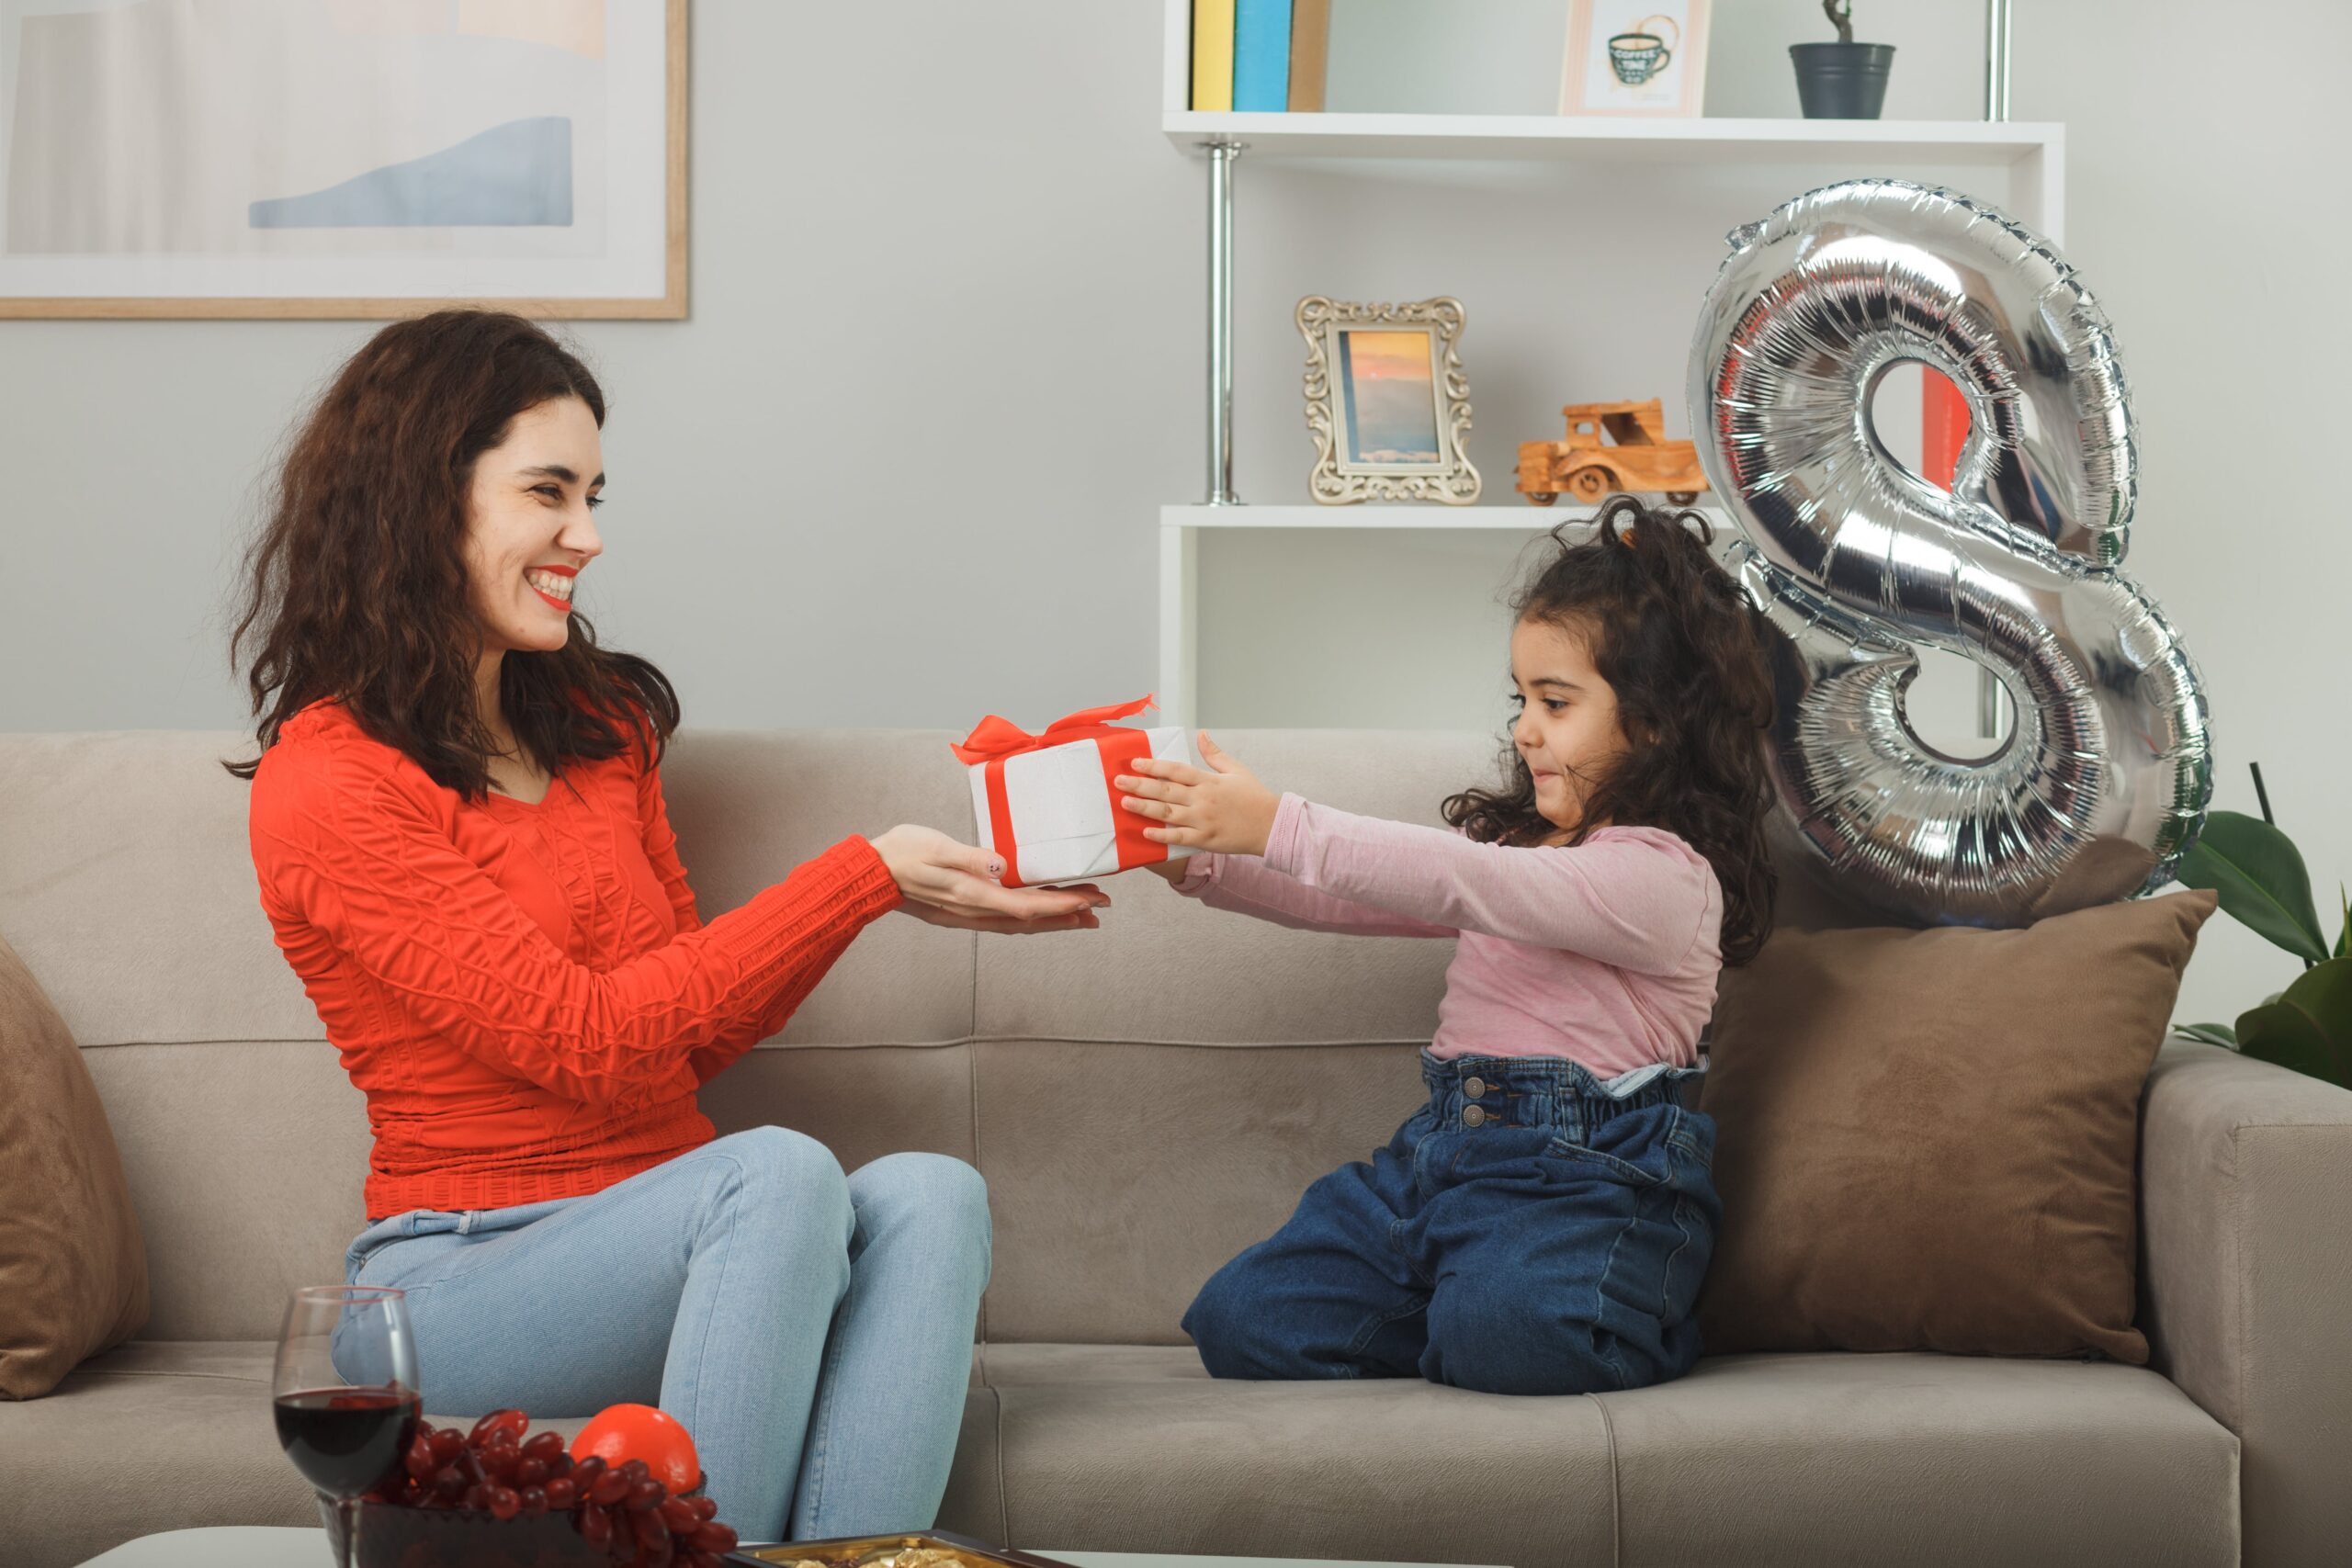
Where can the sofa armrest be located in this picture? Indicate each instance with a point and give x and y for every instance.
(2246, 1208)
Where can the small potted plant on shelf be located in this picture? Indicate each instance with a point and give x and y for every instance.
(1843, 79)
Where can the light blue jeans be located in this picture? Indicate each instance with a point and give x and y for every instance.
(812, 1330)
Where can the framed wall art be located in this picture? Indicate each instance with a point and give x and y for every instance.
(343, 158)
(1387, 401)
(1637, 57)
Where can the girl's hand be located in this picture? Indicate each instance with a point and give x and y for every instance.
(1224, 812)
(952, 884)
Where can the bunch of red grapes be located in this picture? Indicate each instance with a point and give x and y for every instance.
(624, 1509)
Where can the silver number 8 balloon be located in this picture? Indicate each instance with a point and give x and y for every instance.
(2103, 781)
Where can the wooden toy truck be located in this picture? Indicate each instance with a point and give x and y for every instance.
(1586, 466)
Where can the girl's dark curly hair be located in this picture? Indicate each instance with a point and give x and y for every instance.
(1680, 645)
(357, 584)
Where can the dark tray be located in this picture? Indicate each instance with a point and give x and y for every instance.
(843, 1552)
(392, 1536)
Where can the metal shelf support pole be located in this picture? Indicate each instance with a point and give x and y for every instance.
(1991, 705)
(1996, 59)
(1221, 153)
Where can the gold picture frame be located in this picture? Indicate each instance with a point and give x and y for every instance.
(1387, 412)
(650, 23)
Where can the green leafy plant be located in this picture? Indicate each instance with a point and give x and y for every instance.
(1842, 18)
(2263, 883)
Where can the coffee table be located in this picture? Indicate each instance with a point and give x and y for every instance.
(275, 1546)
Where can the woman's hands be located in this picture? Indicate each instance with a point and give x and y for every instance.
(952, 884)
(1226, 811)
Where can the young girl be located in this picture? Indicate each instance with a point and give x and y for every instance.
(1543, 1225)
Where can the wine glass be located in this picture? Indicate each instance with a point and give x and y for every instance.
(346, 1395)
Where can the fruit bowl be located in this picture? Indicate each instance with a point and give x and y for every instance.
(396, 1535)
(393, 1535)
(493, 1498)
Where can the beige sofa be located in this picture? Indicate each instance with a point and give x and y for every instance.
(1144, 1101)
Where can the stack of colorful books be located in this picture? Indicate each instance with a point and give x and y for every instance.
(1260, 54)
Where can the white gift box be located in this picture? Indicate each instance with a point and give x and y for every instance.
(1064, 814)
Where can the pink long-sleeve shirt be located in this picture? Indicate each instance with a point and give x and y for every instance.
(1606, 953)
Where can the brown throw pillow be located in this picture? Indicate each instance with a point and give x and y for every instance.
(73, 1268)
(1927, 1140)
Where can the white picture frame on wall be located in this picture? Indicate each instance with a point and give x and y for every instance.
(1636, 57)
(343, 158)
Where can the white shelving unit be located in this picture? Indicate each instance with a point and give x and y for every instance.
(2034, 155)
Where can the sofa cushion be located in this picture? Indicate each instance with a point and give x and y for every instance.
(1768, 1458)
(158, 1436)
(1926, 1139)
(73, 1266)
(149, 1437)
(127, 877)
(209, 1129)
(1121, 1176)
(1914, 1457)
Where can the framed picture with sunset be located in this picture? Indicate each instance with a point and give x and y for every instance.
(1387, 401)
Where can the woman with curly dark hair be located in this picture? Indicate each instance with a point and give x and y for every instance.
(1544, 1223)
(460, 840)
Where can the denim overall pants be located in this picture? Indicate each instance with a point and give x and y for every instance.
(1531, 1229)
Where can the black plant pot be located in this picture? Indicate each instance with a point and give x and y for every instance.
(1841, 81)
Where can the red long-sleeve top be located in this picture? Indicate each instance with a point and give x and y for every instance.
(525, 992)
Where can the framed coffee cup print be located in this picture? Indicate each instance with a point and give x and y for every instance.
(1386, 401)
(1637, 57)
(342, 158)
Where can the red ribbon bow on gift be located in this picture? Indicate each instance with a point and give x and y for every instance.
(993, 740)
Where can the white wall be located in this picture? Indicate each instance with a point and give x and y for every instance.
(887, 472)
(902, 466)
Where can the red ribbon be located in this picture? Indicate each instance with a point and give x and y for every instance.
(994, 740)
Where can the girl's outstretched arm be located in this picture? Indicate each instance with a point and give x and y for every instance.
(1640, 898)
(1247, 886)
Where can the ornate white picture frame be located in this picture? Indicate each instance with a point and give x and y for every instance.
(1386, 401)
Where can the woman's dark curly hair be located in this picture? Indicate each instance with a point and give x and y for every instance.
(356, 585)
(1680, 645)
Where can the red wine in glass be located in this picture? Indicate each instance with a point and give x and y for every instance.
(347, 1439)
(345, 1396)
